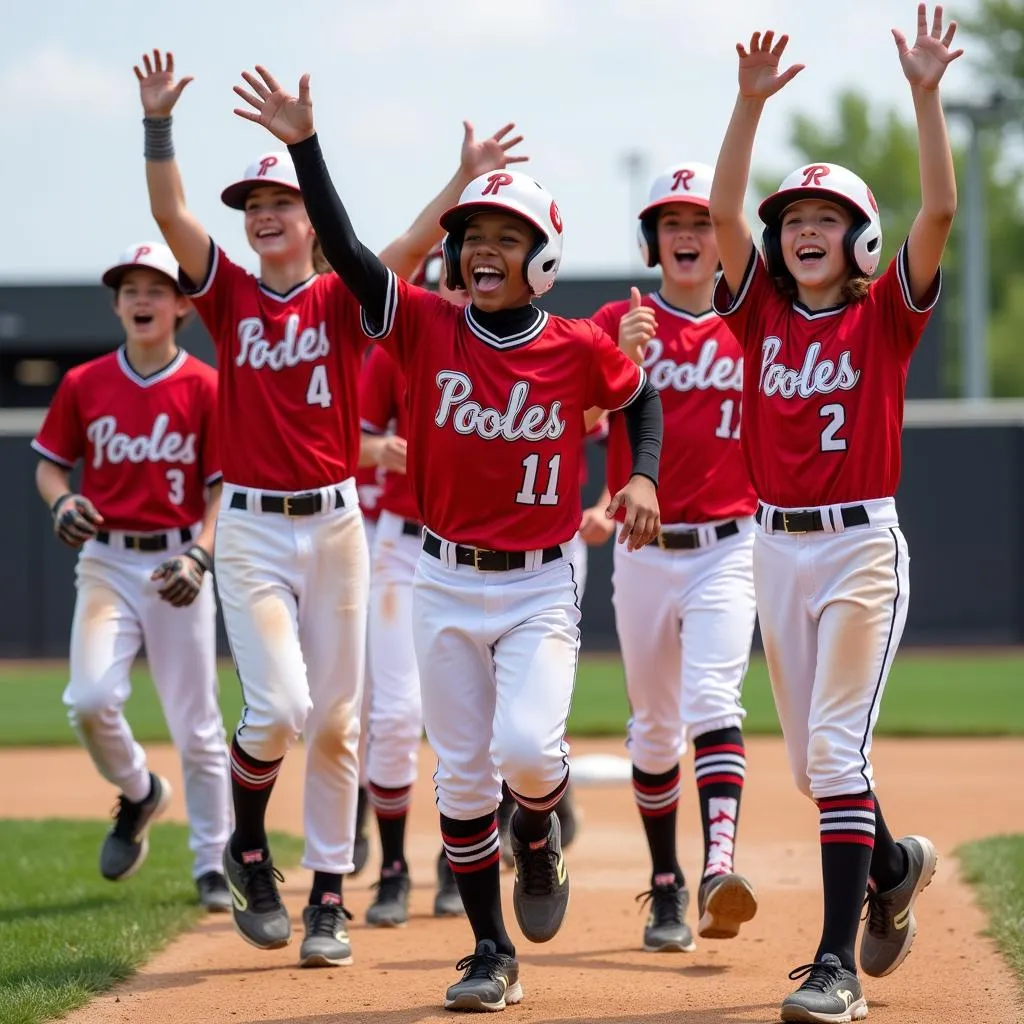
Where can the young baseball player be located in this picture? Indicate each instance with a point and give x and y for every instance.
(292, 561)
(396, 716)
(684, 608)
(496, 397)
(141, 420)
(827, 354)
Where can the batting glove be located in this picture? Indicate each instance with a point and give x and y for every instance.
(75, 519)
(183, 576)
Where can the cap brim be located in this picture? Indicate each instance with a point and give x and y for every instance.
(666, 200)
(236, 194)
(454, 219)
(771, 209)
(113, 276)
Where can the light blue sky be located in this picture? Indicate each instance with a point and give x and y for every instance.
(586, 80)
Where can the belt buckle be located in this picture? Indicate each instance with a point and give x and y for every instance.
(785, 525)
(288, 504)
(661, 541)
(477, 552)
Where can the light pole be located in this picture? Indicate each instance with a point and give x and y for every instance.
(634, 163)
(996, 110)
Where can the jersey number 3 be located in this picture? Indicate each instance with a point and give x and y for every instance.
(528, 492)
(318, 392)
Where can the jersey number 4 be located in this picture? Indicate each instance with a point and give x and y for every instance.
(528, 492)
(318, 392)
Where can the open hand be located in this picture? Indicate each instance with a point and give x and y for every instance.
(287, 117)
(157, 87)
(925, 63)
(637, 326)
(489, 154)
(759, 66)
(643, 517)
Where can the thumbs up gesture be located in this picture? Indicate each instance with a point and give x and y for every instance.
(636, 327)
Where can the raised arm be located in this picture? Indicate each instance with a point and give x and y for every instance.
(759, 78)
(290, 119)
(186, 237)
(924, 66)
(405, 254)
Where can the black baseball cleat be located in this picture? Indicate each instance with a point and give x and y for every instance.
(490, 981)
(666, 930)
(259, 915)
(830, 994)
(540, 895)
(213, 892)
(127, 844)
(390, 907)
(326, 943)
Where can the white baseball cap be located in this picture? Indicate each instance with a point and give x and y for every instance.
(268, 169)
(153, 255)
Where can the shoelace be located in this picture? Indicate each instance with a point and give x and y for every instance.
(536, 869)
(820, 976)
(327, 920)
(480, 966)
(390, 888)
(877, 911)
(126, 815)
(664, 900)
(259, 881)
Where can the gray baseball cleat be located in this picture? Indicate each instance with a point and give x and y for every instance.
(259, 915)
(830, 994)
(891, 925)
(326, 943)
(126, 845)
(213, 892)
(666, 930)
(540, 895)
(447, 901)
(390, 907)
(490, 981)
(725, 902)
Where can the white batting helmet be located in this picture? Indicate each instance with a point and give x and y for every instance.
(680, 183)
(152, 255)
(268, 169)
(519, 194)
(863, 242)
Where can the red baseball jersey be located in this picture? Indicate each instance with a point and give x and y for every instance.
(497, 423)
(823, 390)
(289, 377)
(697, 367)
(382, 407)
(148, 444)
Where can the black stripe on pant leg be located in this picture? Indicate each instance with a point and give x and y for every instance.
(885, 658)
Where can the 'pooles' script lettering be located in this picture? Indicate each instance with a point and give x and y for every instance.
(815, 376)
(305, 346)
(160, 445)
(518, 421)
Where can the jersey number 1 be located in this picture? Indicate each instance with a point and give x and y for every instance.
(318, 392)
(527, 493)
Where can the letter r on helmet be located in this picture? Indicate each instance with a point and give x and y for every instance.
(495, 182)
(265, 164)
(814, 174)
(681, 180)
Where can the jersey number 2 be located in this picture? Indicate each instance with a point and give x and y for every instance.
(527, 493)
(836, 416)
(318, 392)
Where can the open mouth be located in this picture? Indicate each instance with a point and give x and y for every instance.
(686, 257)
(487, 278)
(142, 319)
(810, 254)
(269, 233)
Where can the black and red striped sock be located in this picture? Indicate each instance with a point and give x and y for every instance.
(720, 765)
(657, 799)
(392, 809)
(251, 784)
(847, 825)
(474, 856)
(533, 814)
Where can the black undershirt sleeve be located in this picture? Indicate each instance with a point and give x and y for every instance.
(645, 426)
(364, 274)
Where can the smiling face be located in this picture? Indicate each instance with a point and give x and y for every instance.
(812, 235)
(149, 306)
(494, 250)
(687, 249)
(277, 225)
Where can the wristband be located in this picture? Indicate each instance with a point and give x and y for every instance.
(56, 505)
(158, 142)
(201, 557)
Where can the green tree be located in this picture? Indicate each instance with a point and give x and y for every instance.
(881, 146)
(998, 27)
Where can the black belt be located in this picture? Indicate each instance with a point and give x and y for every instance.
(810, 520)
(410, 528)
(146, 541)
(486, 560)
(289, 504)
(687, 540)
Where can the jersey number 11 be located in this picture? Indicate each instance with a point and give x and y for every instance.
(527, 493)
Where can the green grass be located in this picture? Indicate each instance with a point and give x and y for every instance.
(996, 868)
(66, 933)
(928, 694)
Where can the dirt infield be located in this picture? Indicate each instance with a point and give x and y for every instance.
(593, 970)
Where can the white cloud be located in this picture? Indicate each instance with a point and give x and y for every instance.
(53, 79)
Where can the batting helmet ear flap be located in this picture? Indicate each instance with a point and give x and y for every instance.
(647, 239)
(771, 247)
(451, 256)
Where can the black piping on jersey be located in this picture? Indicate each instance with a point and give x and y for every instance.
(53, 457)
(192, 290)
(520, 338)
(373, 330)
(885, 658)
(735, 301)
(684, 314)
(151, 378)
(290, 294)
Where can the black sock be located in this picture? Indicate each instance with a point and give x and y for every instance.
(719, 764)
(392, 809)
(847, 825)
(888, 859)
(657, 799)
(251, 784)
(472, 849)
(532, 820)
(326, 888)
